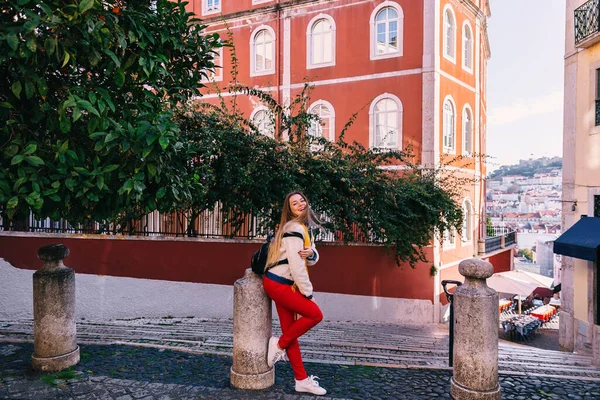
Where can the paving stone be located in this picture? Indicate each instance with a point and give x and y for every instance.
(136, 372)
(140, 393)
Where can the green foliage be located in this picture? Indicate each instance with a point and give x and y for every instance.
(87, 93)
(55, 378)
(526, 253)
(349, 185)
(98, 126)
(489, 228)
(433, 270)
(528, 167)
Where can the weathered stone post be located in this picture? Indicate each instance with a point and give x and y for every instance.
(54, 332)
(252, 328)
(475, 335)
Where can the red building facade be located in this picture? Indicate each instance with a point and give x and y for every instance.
(415, 69)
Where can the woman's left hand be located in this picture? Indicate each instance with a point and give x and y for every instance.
(307, 252)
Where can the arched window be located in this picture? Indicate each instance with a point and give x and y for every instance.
(449, 127)
(467, 227)
(449, 238)
(467, 47)
(321, 42)
(449, 34)
(324, 127)
(263, 51)
(262, 119)
(386, 122)
(387, 26)
(467, 131)
(215, 74)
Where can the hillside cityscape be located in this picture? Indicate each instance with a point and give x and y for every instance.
(526, 198)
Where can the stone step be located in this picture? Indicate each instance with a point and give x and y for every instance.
(331, 342)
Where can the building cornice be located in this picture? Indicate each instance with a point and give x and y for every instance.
(486, 41)
(268, 9)
(481, 15)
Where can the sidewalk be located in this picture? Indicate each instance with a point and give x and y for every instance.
(353, 361)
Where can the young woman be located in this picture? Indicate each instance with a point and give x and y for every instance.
(287, 283)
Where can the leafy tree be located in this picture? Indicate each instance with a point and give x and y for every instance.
(528, 167)
(87, 94)
(526, 253)
(489, 227)
(250, 173)
(99, 126)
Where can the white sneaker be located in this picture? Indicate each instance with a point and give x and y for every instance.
(310, 385)
(274, 353)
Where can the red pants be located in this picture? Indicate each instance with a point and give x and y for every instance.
(288, 303)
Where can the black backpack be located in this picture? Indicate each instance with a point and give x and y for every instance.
(259, 259)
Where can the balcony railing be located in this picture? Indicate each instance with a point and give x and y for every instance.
(212, 223)
(597, 112)
(497, 237)
(510, 238)
(587, 20)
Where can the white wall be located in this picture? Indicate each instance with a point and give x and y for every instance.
(528, 240)
(105, 297)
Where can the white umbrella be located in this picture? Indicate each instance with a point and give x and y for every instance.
(540, 280)
(507, 284)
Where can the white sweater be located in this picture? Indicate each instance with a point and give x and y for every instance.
(295, 269)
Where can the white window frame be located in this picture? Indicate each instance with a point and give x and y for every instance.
(309, 42)
(270, 71)
(465, 151)
(269, 114)
(399, 117)
(467, 46)
(331, 116)
(467, 234)
(446, 149)
(373, 33)
(206, 11)
(217, 75)
(449, 239)
(449, 57)
(261, 1)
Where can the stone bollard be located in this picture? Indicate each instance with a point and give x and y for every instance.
(54, 333)
(475, 335)
(252, 328)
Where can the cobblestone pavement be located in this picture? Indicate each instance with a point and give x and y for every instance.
(119, 372)
(190, 358)
(342, 343)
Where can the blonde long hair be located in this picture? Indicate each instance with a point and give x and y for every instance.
(307, 218)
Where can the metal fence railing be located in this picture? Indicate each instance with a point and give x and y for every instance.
(587, 20)
(493, 243)
(493, 231)
(510, 238)
(213, 223)
(498, 237)
(208, 223)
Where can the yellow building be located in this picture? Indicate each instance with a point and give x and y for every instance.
(579, 245)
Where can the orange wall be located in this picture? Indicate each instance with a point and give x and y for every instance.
(352, 60)
(461, 96)
(352, 42)
(358, 270)
(455, 68)
(501, 261)
(352, 25)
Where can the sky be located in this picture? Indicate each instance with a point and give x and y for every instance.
(525, 80)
